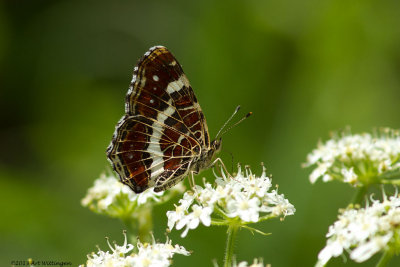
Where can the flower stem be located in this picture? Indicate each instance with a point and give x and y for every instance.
(387, 255)
(131, 229)
(230, 244)
(145, 224)
(391, 175)
(393, 182)
(141, 226)
(358, 197)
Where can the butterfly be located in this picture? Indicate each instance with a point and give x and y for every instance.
(163, 136)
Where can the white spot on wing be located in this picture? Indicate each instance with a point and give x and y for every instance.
(155, 78)
(174, 86)
(151, 101)
(177, 85)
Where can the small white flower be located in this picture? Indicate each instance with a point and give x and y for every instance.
(256, 263)
(201, 214)
(186, 200)
(349, 176)
(175, 216)
(104, 191)
(277, 204)
(116, 258)
(365, 251)
(244, 198)
(156, 254)
(364, 231)
(345, 158)
(192, 220)
(319, 171)
(243, 207)
(148, 194)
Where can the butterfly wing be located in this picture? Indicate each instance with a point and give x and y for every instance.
(163, 129)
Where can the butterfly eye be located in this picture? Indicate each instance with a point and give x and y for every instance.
(217, 144)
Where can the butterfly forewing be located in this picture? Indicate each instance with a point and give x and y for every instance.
(163, 130)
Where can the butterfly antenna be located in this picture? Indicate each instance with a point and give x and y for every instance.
(230, 118)
(234, 125)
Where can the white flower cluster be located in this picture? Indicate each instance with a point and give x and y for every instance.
(109, 196)
(156, 254)
(356, 159)
(244, 197)
(256, 263)
(363, 232)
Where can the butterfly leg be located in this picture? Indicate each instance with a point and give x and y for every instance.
(192, 183)
(222, 164)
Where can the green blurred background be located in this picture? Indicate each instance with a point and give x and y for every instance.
(303, 67)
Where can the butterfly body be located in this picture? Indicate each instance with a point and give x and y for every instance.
(163, 135)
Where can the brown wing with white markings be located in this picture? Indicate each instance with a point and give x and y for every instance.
(163, 129)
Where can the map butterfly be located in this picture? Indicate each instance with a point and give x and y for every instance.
(163, 136)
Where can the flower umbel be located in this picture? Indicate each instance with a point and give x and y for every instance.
(242, 199)
(360, 159)
(156, 254)
(110, 197)
(256, 263)
(364, 232)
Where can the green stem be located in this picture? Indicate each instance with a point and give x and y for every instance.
(145, 224)
(219, 223)
(359, 196)
(141, 226)
(387, 255)
(220, 212)
(131, 229)
(391, 175)
(266, 217)
(393, 182)
(230, 244)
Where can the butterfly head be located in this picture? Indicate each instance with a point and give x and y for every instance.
(216, 145)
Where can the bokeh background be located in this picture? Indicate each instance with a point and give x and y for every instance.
(304, 68)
